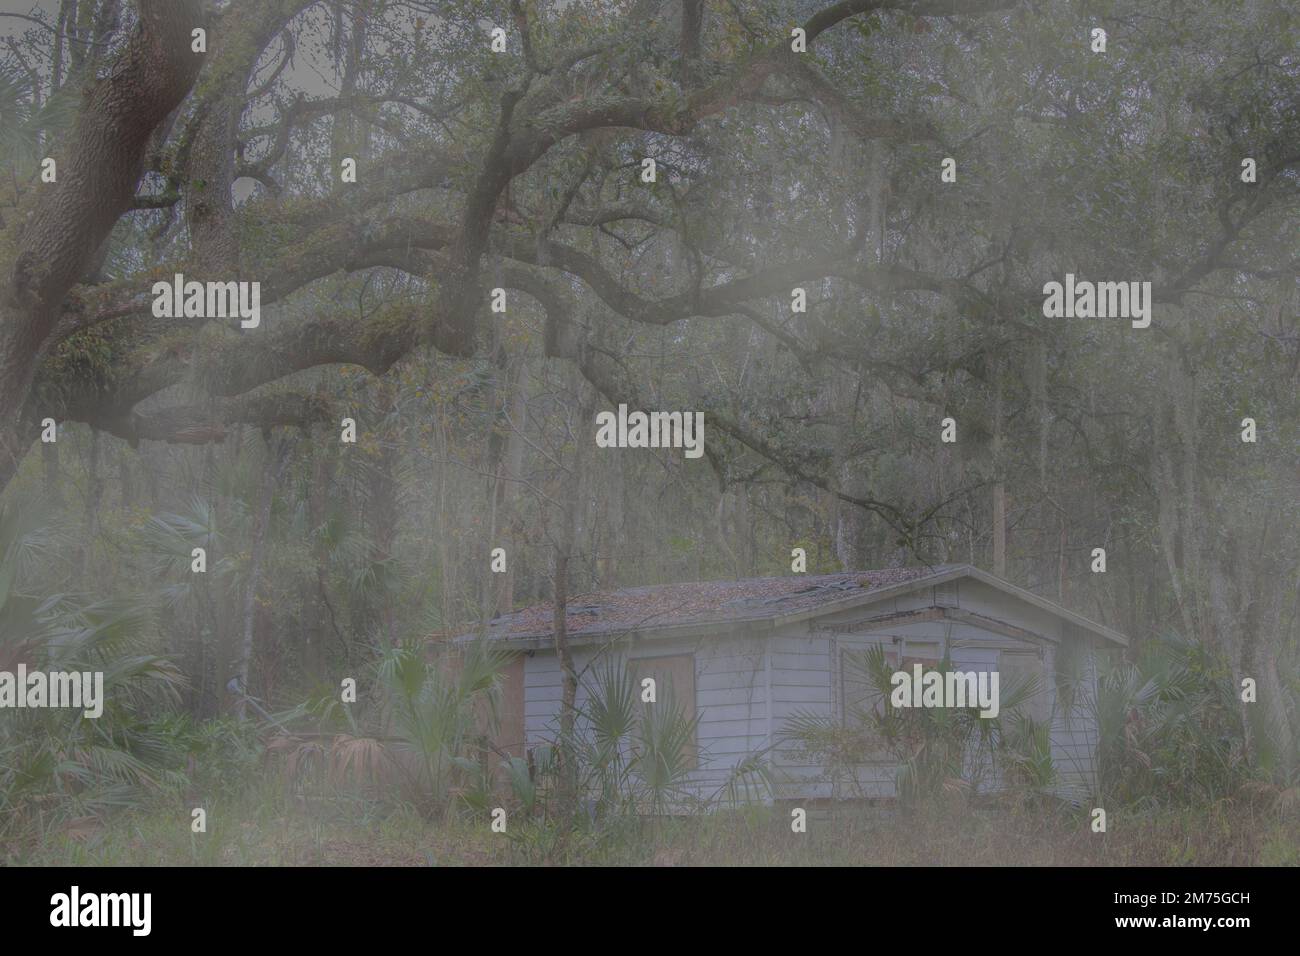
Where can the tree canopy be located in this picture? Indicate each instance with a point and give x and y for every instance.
(380, 168)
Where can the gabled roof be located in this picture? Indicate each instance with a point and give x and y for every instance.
(699, 606)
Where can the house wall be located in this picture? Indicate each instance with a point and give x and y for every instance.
(807, 680)
(805, 683)
(801, 687)
(731, 679)
(749, 687)
(1075, 733)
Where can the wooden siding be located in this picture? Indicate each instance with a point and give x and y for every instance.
(749, 687)
(807, 679)
(731, 698)
(1074, 736)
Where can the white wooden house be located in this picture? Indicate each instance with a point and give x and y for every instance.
(747, 656)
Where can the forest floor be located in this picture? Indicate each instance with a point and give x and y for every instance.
(359, 836)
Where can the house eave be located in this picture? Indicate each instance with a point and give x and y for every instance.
(538, 641)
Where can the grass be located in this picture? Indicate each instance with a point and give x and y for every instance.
(357, 834)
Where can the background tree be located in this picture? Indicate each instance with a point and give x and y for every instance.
(775, 170)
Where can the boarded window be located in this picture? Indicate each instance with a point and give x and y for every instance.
(857, 694)
(674, 679)
(860, 698)
(1016, 670)
(510, 708)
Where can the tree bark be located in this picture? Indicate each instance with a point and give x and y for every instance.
(314, 612)
(569, 697)
(61, 226)
(999, 486)
(566, 533)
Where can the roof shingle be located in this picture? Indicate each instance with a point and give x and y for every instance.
(699, 602)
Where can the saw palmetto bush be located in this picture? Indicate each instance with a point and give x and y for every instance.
(441, 711)
(421, 734)
(24, 125)
(931, 751)
(168, 540)
(57, 765)
(623, 758)
(1171, 729)
(608, 721)
(633, 758)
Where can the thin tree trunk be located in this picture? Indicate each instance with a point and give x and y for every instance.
(569, 700)
(53, 473)
(226, 613)
(509, 487)
(615, 501)
(94, 494)
(565, 537)
(314, 611)
(999, 487)
(126, 477)
(272, 469)
(56, 61)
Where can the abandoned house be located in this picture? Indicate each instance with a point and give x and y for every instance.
(745, 657)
